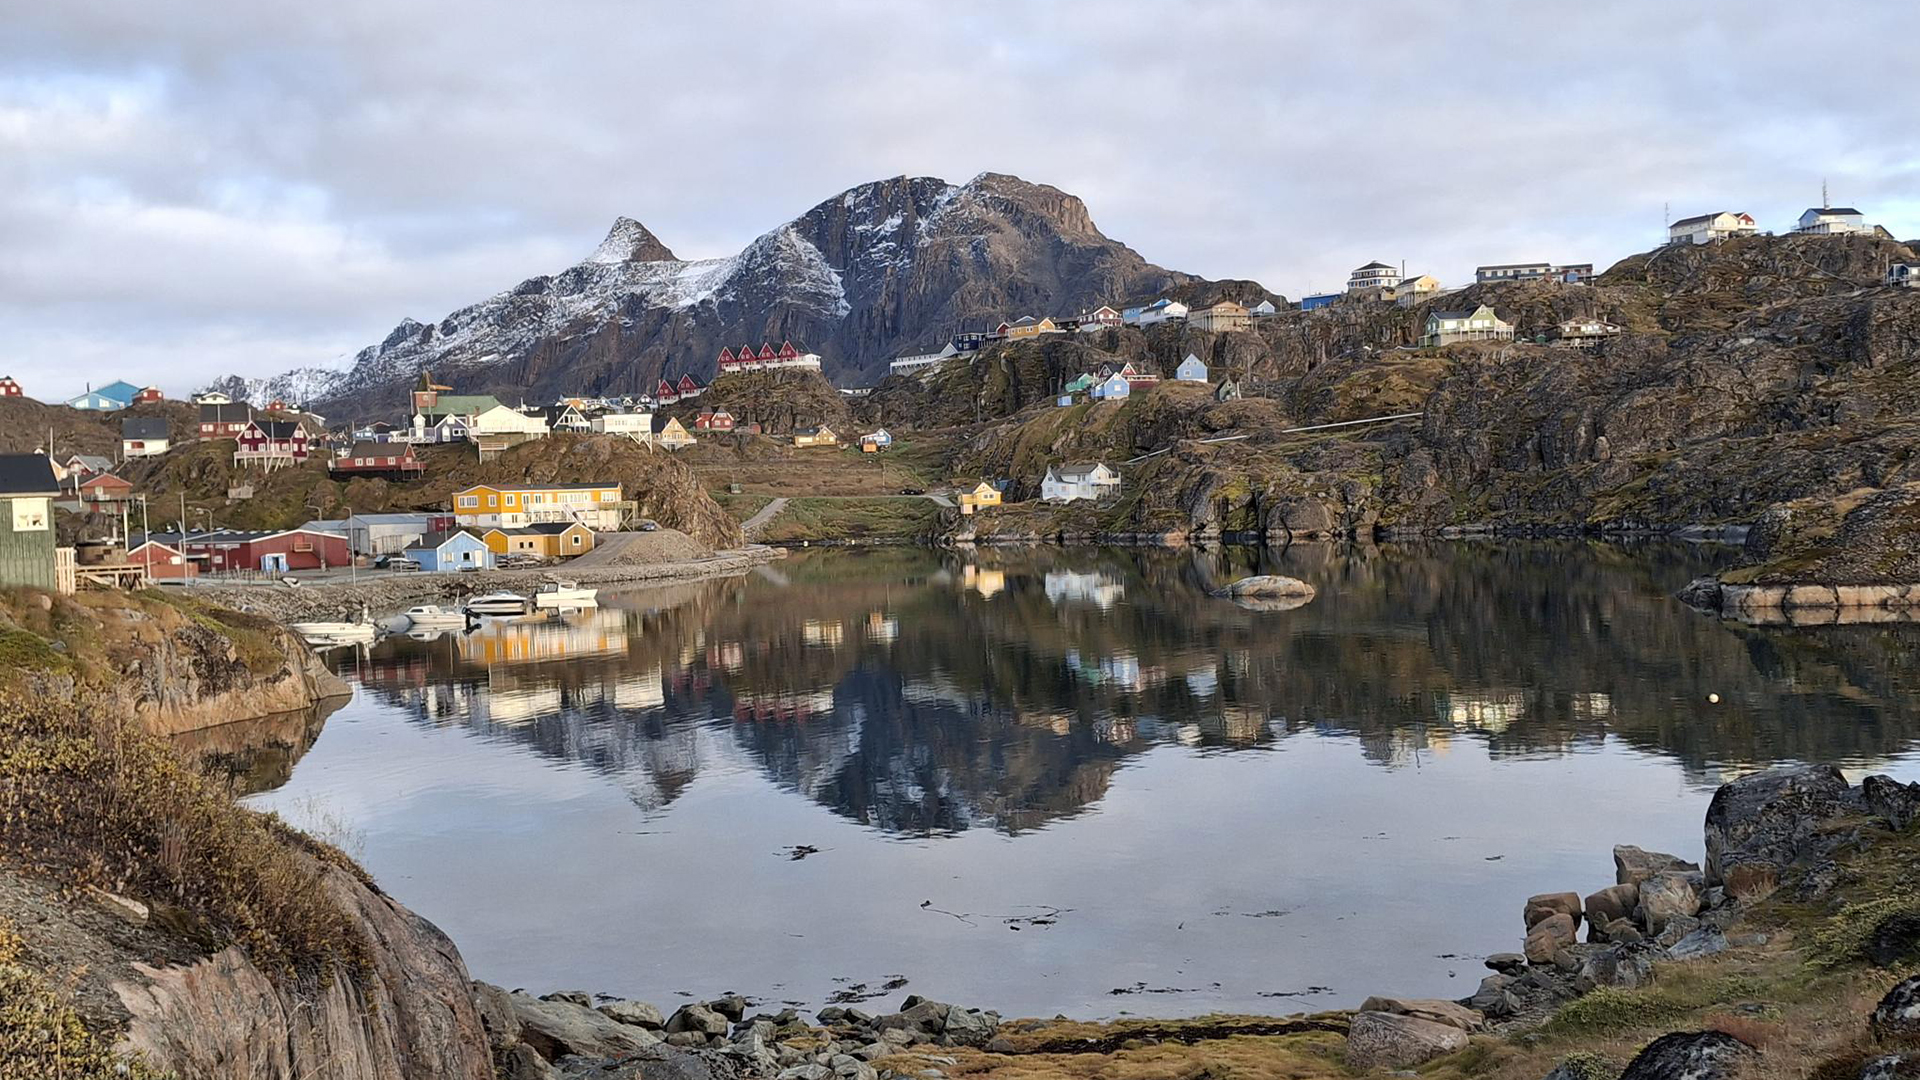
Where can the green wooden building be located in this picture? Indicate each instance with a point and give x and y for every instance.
(27, 491)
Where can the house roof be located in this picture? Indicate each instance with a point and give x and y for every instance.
(277, 429)
(369, 448)
(91, 462)
(27, 474)
(460, 404)
(435, 540)
(1375, 266)
(1833, 211)
(106, 479)
(215, 413)
(144, 427)
(1701, 219)
(1077, 471)
(118, 390)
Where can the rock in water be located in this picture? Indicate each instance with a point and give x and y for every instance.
(697, 1020)
(1541, 906)
(1269, 587)
(1896, 1020)
(1389, 1040)
(1632, 865)
(637, 1013)
(1688, 1055)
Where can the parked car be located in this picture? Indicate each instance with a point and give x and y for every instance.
(649, 526)
(911, 491)
(398, 563)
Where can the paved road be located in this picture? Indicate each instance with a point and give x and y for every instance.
(767, 513)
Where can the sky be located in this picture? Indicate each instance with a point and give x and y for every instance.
(231, 186)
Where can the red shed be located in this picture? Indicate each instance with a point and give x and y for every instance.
(290, 549)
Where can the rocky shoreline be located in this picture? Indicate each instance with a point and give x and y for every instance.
(1780, 829)
(394, 592)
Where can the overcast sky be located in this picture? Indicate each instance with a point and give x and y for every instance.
(236, 186)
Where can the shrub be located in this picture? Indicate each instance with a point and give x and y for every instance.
(87, 796)
(41, 1035)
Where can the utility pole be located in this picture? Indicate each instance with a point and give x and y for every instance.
(146, 539)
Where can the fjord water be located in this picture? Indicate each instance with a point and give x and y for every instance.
(1052, 781)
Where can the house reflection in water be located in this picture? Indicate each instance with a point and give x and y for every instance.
(823, 635)
(986, 582)
(1097, 589)
(544, 637)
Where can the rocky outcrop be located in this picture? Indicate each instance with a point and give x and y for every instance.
(1896, 1019)
(411, 1016)
(1396, 1041)
(1763, 827)
(1689, 1055)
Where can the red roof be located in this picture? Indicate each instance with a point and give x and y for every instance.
(766, 351)
(666, 388)
(726, 355)
(788, 352)
(687, 383)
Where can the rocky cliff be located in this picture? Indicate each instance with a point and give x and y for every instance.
(882, 268)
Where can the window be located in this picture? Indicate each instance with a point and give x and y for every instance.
(469, 502)
(30, 515)
(576, 539)
(493, 500)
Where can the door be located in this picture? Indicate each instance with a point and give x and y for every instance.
(274, 563)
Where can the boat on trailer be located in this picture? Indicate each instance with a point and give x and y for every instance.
(499, 603)
(565, 594)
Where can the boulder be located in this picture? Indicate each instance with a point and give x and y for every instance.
(638, 1013)
(732, 1006)
(571, 997)
(1632, 865)
(497, 1017)
(1495, 997)
(1392, 1041)
(1761, 826)
(921, 1015)
(557, 1028)
(1269, 587)
(1549, 936)
(1623, 967)
(1611, 903)
(1898, 803)
(1667, 895)
(1689, 1055)
(1896, 1020)
(1507, 962)
(1624, 932)
(1450, 1013)
(1892, 1067)
(1546, 905)
(696, 1019)
(970, 1027)
(1701, 942)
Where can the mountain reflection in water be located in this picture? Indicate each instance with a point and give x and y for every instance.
(933, 697)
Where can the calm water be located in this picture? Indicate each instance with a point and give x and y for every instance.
(1029, 780)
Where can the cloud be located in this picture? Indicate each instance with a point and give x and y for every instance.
(184, 192)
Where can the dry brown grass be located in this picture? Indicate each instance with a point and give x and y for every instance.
(41, 1036)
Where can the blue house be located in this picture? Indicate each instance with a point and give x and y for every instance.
(1318, 300)
(451, 551)
(1191, 370)
(1115, 388)
(109, 398)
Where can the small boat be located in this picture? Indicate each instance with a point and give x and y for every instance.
(328, 634)
(435, 617)
(565, 594)
(499, 603)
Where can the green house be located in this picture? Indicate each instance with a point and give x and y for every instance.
(27, 491)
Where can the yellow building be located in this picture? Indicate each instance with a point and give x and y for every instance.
(984, 495)
(553, 540)
(670, 434)
(488, 506)
(1028, 326)
(820, 436)
(1221, 317)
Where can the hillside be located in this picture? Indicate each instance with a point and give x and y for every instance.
(663, 488)
(877, 270)
(1752, 373)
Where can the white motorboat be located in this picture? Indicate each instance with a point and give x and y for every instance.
(328, 634)
(565, 594)
(499, 603)
(435, 617)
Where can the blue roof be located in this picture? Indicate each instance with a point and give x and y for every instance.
(120, 390)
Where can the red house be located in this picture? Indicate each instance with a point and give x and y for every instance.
(103, 491)
(292, 549)
(665, 394)
(224, 420)
(713, 420)
(369, 458)
(688, 388)
(163, 561)
(149, 395)
(270, 443)
(9, 388)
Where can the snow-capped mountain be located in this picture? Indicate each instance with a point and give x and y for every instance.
(297, 387)
(881, 269)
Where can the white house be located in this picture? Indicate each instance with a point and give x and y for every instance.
(902, 365)
(1159, 311)
(1904, 275)
(1706, 228)
(501, 420)
(634, 425)
(1480, 324)
(1067, 483)
(1262, 309)
(1832, 221)
(1115, 388)
(1583, 333)
(1099, 318)
(1192, 369)
(143, 436)
(1373, 277)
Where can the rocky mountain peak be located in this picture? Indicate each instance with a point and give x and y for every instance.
(629, 241)
(1012, 195)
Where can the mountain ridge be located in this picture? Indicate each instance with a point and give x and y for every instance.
(879, 269)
